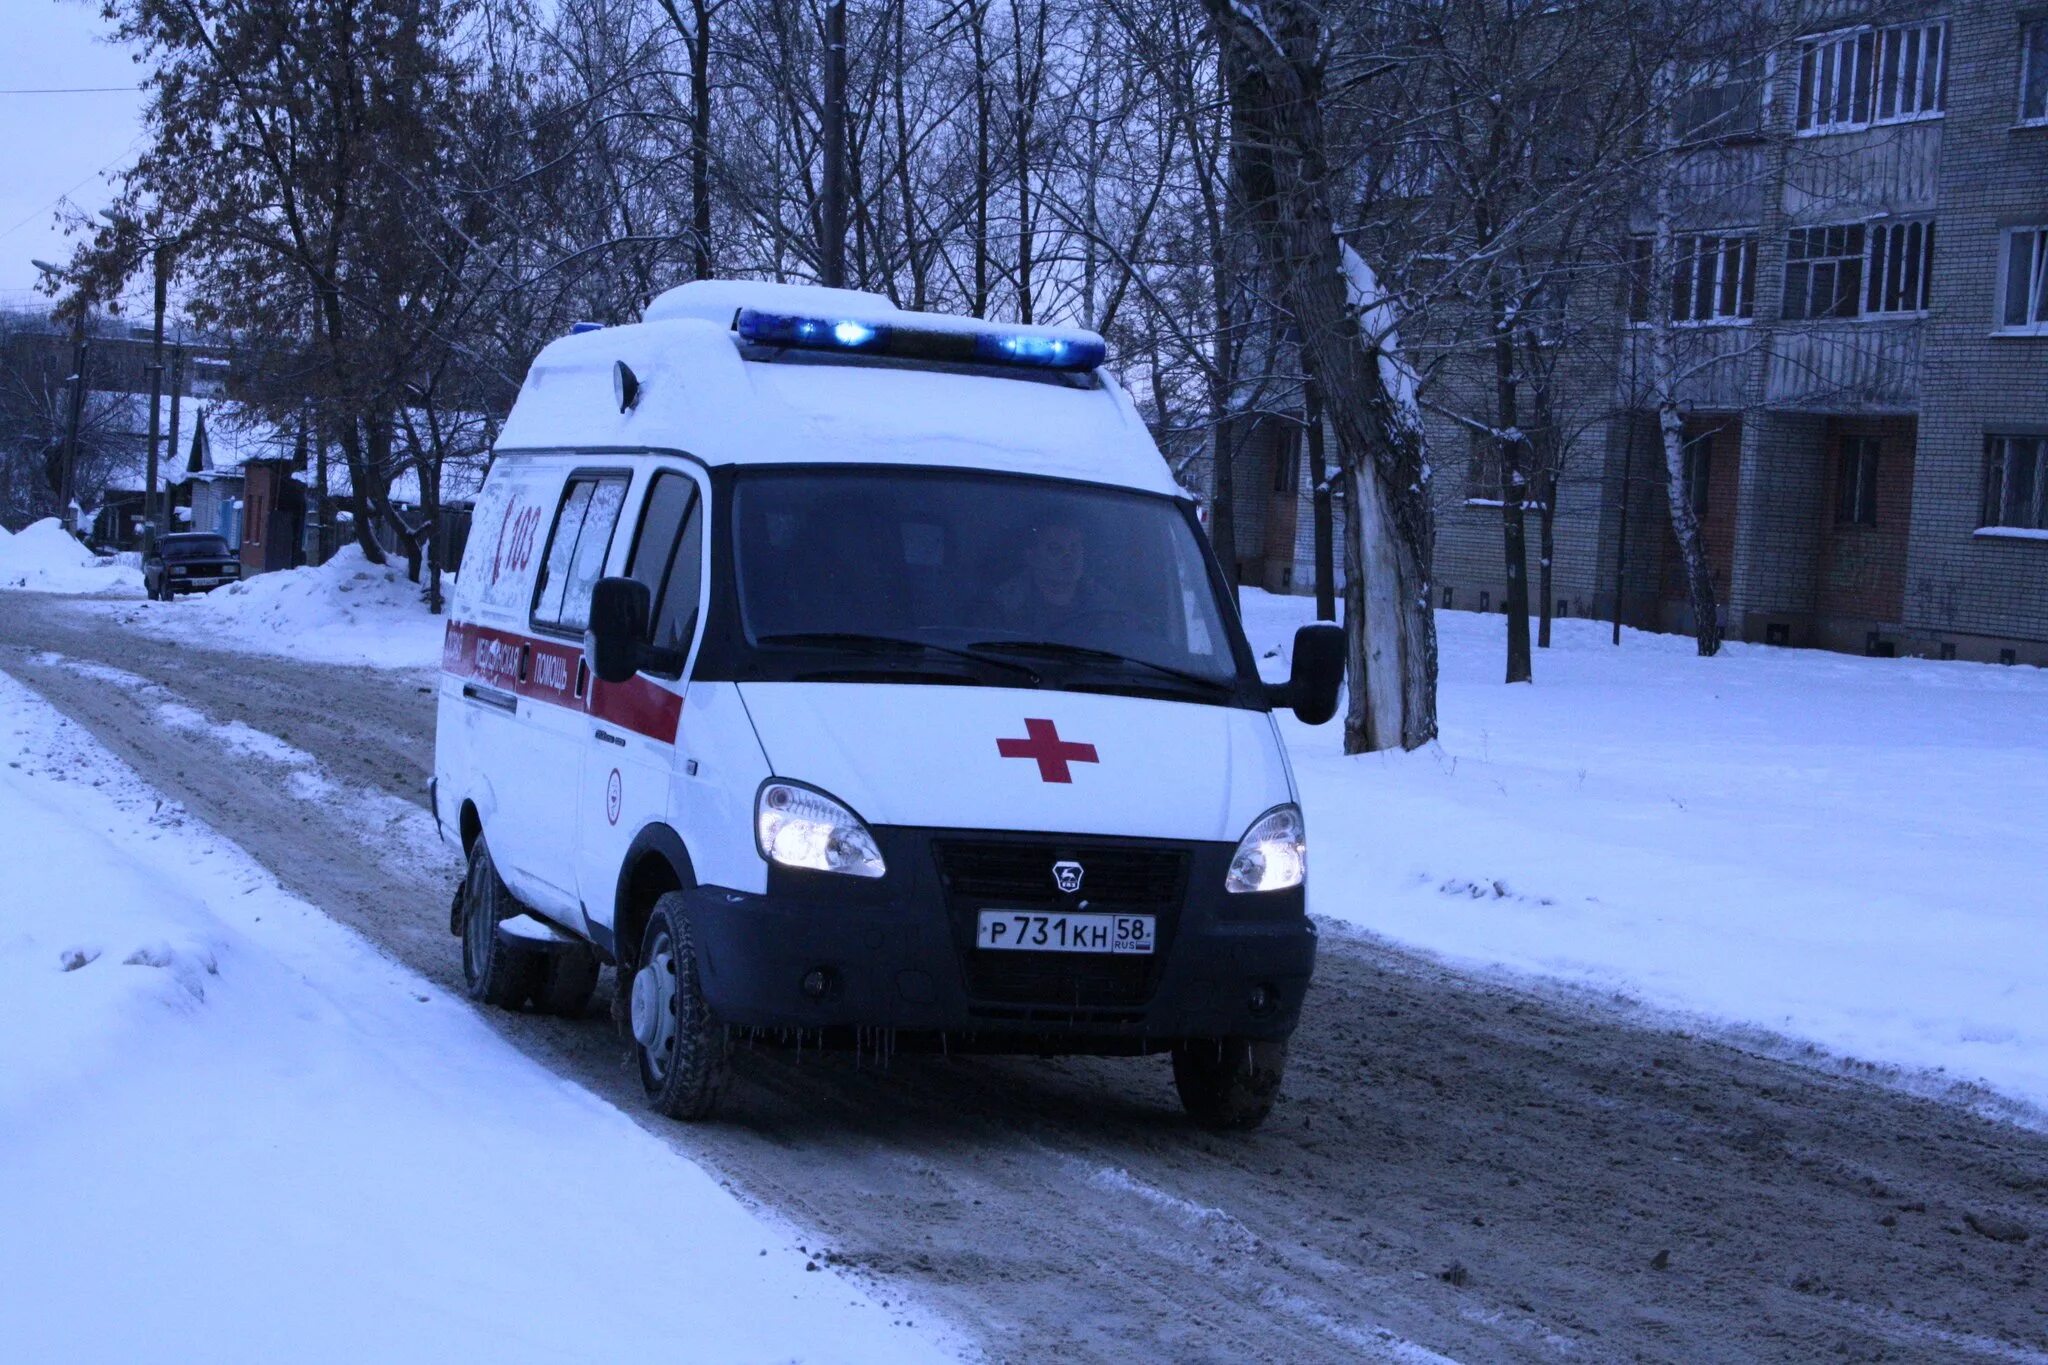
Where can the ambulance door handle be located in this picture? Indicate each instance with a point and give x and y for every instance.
(490, 696)
(525, 657)
(582, 676)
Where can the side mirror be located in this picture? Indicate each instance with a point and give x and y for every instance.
(1318, 674)
(617, 634)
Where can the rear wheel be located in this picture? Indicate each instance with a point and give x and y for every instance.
(681, 1049)
(495, 972)
(1228, 1083)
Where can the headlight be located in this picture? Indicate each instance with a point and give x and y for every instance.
(799, 827)
(1273, 855)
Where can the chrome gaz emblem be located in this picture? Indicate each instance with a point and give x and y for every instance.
(1067, 876)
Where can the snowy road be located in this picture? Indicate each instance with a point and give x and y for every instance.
(1456, 1166)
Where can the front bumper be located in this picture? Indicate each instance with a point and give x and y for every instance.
(898, 954)
(199, 582)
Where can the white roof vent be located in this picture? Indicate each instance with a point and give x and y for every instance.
(719, 301)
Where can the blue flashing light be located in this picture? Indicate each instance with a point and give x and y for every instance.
(1047, 350)
(994, 345)
(812, 334)
(577, 329)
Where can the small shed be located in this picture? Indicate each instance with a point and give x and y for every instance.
(273, 516)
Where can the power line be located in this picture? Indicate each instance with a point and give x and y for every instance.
(68, 193)
(72, 90)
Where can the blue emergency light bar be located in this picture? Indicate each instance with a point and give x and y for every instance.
(1033, 348)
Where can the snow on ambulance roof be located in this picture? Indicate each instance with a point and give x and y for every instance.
(700, 395)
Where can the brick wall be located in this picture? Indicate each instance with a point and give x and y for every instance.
(1992, 176)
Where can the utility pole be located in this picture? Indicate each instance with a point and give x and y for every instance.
(153, 506)
(66, 480)
(832, 253)
(177, 388)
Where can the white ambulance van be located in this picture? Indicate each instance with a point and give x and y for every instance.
(839, 673)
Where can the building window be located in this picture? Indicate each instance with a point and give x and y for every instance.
(1856, 482)
(1834, 81)
(1483, 478)
(2016, 482)
(1824, 272)
(1722, 99)
(1850, 80)
(1699, 468)
(2034, 72)
(1713, 278)
(2024, 305)
(1901, 273)
(1854, 270)
(1287, 457)
(1911, 63)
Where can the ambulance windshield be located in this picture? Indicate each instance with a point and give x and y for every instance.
(1068, 584)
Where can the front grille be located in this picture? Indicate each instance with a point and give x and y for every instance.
(1020, 874)
(1017, 874)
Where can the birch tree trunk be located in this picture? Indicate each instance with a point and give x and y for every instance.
(1685, 527)
(1664, 376)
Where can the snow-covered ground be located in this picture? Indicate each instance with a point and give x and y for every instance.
(42, 558)
(232, 1131)
(347, 611)
(1837, 850)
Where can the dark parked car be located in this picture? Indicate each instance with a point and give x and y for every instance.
(190, 561)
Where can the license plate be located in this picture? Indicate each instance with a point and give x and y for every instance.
(1029, 931)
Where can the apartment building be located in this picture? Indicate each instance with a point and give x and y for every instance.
(1860, 309)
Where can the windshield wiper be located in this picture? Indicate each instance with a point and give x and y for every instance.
(859, 640)
(1055, 649)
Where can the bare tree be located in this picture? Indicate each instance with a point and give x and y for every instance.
(1348, 324)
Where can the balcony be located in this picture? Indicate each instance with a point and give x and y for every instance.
(1845, 367)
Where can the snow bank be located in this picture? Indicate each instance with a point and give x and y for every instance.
(44, 558)
(1837, 850)
(347, 611)
(232, 1131)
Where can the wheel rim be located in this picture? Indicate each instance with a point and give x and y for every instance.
(478, 927)
(654, 1008)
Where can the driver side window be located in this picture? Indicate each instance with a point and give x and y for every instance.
(668, 557)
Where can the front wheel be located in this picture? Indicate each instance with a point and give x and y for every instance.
(1228, 1084)
(682, 1050)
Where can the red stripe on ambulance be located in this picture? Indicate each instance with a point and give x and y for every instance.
(548, 671)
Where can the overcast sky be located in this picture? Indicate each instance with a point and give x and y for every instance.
(52, 146)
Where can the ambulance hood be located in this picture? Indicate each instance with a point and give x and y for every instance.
(1003, 759)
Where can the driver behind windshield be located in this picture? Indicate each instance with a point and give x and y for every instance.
(1054, 595)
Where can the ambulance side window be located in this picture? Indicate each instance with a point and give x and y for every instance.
(675, 620)
(576, 552)
(668, 557)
